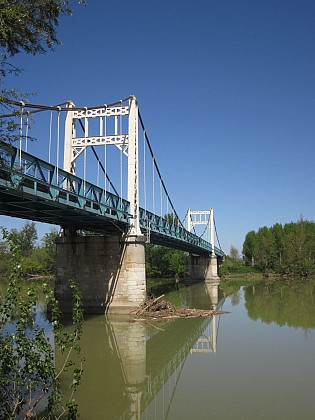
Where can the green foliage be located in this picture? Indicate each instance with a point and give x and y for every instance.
(288, 249)
(27, 26)
(4, 259)
(25, 239)
(27, 371)
(164, 262)
(35, 260)
(231, 265)
(30, 25)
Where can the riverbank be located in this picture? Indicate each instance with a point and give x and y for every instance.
(258, 277)
(255, 276)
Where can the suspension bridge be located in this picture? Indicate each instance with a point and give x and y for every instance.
(81, 197)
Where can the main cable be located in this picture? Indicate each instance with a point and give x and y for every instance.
(215, 228)
(40, 108)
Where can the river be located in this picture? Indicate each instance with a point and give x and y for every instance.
(255, 362)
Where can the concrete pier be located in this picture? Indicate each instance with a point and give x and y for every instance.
(202, 268)
(109, 271)
(212, 270)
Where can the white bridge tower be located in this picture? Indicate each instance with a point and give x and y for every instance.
(111, 132)
(202, 217)
(205, 217)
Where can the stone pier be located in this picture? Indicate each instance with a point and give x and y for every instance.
(109, 271)
(202, 268)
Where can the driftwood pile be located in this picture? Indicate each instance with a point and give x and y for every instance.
(158, 308)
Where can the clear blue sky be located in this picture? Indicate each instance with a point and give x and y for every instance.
(226, 90)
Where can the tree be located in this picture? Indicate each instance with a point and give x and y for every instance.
(249, 247)
(49, 248)
(288, 249)
(26, 359)
(164, 262)
(25, 239)
(36, 260)
(30, 25)
(235, 256)
(234, 253)
(264, 248)
(25, 26)
(277, 232)
(4, 258)
(27, 370)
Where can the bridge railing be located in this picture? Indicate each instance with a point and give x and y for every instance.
(159, 226)
(25, 172)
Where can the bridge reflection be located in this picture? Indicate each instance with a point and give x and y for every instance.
(130, 364)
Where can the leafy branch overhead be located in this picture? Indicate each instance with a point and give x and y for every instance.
(30, 25)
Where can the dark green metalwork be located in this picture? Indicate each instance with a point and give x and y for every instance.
(163, 232)
(33, 189)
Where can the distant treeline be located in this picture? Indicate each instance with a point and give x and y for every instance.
(285, 249)
(38, 257)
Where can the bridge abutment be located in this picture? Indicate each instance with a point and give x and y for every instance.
(109, 271)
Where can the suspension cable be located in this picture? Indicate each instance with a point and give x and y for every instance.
(161, 196)
(26, 130)
(153, 189)
(21, 130)
(184, 219)
(144, 176)
(84, 171)
(203, 231)
(59, 107)
(193, 224)
(105, 156)
(58, 145)
(50, 137)
(215, 228)
(121, 161)
(158, 171)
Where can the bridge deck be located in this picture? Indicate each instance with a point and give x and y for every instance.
(33, 189)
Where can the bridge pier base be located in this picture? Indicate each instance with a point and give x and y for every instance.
(202, 268)
(212, 270)
(109, 271)
(129, 285)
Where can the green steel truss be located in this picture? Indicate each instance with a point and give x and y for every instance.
(174, 235)
(33, 189)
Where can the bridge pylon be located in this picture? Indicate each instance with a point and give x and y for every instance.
(208, 267)
(109, 269)
(123, 136)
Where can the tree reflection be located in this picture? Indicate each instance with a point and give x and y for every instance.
(289, 303)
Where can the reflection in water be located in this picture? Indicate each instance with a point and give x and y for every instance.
(130, 363)
(290, 304)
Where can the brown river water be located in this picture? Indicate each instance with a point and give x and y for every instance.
(255, 362)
